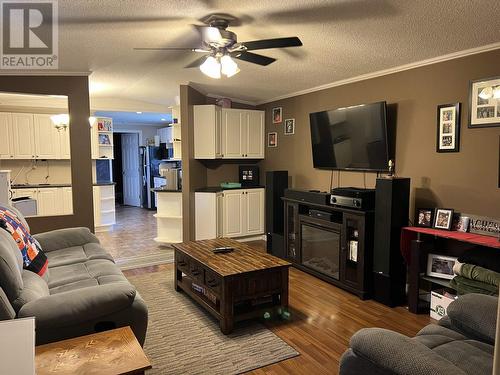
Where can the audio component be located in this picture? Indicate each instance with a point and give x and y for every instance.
(361, 199)
(276, 183)
(309, 196)
(322, 215)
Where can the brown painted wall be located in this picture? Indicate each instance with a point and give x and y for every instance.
(77, 90)
(466, 181)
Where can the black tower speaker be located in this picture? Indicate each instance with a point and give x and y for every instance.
(276, 183)
(392, 200)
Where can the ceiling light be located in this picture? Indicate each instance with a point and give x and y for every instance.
(211, 67)
(163, 119)
(486, 93)
(92, 120)
(496, 92)
(229, 67)
(139, 113)
(60, 121)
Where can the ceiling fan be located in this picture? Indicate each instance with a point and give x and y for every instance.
(220, 46)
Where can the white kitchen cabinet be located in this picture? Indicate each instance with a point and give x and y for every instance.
(228, 133)
(7, 136)
(49, 201)
(23, 137)
(67, 199)
(64, 144)
(231, 213)
(104, 207)
(46, 137)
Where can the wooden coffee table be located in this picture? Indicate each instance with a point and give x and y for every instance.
(235, 286)
(105, 353)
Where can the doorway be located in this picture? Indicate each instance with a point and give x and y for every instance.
(127, 171)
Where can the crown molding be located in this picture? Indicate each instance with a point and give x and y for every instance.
(380, 73)
(42, 73)
(241, 101)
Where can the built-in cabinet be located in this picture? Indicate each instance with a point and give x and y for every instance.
(228, 133)
(101, 138)
(104, 207)
(50, 201)
(231, 213)
(32, 136)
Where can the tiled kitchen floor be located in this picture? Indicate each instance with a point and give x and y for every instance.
(133, 235)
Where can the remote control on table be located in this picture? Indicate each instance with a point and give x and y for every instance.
(222, 250)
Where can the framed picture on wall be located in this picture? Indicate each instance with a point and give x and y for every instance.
(484, 102)
(290, 126)
(448, 128)
(272, 139)
(277, 115)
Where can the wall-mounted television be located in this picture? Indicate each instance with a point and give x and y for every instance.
(351, 138)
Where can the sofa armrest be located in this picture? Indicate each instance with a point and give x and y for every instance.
(73, 307)
(475, 316)
(63, 238)
(398, 354)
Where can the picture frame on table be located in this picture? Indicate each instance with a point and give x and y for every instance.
(448, 128)
(277, 114)
(424, 217)
(289, 128)
(440, 266)
(484, 102)
(272, 139)
(443, 218)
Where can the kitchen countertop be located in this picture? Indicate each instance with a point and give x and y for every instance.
(31, 186)
(217, 189)
(160, 190)
(104, 183)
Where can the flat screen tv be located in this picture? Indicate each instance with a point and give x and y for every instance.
(352, 138)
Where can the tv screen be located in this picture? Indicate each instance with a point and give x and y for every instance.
(352, 138)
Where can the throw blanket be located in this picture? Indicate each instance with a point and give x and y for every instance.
(34, 258)
(473, 272)
(464, 286)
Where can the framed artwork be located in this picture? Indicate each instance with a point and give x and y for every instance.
(424, 217)
(272, 139)
(484, 103)
(448, 128)
(440, 266)
(443, 218)
(277, 115)
(290, 126)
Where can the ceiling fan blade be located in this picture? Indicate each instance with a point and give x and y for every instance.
(254, 58)
(193, 49)
(273, 43)
(82, 20)
(196, 63)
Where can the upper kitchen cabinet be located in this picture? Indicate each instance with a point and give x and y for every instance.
(6, 134)
(22, 136)
(46, 138)
(228, 133)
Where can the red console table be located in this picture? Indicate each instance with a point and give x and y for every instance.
(417, 243)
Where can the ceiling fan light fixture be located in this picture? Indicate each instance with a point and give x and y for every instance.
(496, 92)
(211, 67)
(228, 66)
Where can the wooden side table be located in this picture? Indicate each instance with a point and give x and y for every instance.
(105, 353)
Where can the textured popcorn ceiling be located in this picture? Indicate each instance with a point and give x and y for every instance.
(342, 39)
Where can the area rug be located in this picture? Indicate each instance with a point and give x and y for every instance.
(140, 261)
(184, 339)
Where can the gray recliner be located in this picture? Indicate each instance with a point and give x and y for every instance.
(462, 343)
(82, 292)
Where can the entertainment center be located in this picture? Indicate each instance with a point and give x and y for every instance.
(330, 242)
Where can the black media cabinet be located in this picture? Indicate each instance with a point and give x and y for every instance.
(336, 247)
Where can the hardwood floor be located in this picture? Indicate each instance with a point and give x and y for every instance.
(323, 319)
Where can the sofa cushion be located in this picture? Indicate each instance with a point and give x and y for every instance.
(6, 310)
(33, 257)
(77, 254)
(11, 265)
(34, 287)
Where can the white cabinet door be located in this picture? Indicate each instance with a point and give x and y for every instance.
(49, 201)
(7, 136)
(254, 134)
(67, 194)
(231, 134)
(233, 213)
(207, 131)
(254, 202)
(205, 216)
(97, 206)
(94, 141)
(64, 147)
(46, 137)
(27, 193)
(23, 142)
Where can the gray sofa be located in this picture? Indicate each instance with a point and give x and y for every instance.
(82, 292)
(462, 343)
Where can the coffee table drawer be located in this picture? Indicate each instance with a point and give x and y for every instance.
(182, 262)
(195, 271)
(213, 281)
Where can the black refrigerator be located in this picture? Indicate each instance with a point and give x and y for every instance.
(151, 157)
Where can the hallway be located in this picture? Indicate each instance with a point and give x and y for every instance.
(132, 238)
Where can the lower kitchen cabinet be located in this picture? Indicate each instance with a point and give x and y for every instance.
(104, 207)
(50, 201)
(231, 213)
